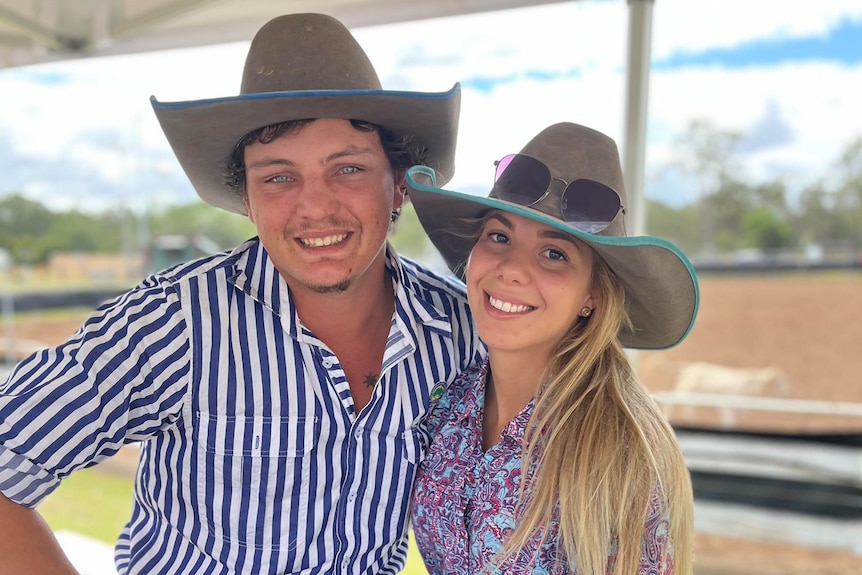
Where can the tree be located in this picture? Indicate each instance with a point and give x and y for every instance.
(224, 228)
(678, 225)
(25, 229)
(848, 195)
(708, 154)
(409, 237)
(765, 230)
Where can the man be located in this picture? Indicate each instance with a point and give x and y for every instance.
(278, 390)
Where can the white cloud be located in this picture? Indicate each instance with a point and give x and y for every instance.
(565, 62)
(691, 25)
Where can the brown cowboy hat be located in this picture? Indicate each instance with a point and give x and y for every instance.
(303, 66)
(660, 283)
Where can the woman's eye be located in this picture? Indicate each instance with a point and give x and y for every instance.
(497, 237)
(555, 254)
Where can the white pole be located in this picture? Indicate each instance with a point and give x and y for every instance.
(637, 98)
(8, 308)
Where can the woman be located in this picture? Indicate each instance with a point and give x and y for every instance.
(552, 457)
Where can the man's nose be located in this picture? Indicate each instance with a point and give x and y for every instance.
(316, 197)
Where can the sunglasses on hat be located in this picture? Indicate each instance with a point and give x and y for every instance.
(587, 205)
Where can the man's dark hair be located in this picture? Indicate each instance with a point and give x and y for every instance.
(399, 150)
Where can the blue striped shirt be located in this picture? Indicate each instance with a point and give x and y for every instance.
(253, 458)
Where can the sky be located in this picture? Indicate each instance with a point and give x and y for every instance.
(786, 74)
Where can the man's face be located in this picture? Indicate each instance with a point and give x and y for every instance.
(321, 198)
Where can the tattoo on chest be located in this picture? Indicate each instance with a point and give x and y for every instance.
(370, 380)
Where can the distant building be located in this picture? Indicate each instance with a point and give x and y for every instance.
(170, 250)
(88, 267)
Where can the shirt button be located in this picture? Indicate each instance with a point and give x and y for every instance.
(351, 497)
(327, 362)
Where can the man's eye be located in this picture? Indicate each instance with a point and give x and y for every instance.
(278, 179)
(350, 170)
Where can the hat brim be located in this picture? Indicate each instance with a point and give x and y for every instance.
(203, 133)
(662, 294)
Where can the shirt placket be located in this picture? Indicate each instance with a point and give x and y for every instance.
(398, 348)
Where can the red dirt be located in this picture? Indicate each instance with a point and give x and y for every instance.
(808, 326)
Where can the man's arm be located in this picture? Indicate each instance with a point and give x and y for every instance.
(27, 544)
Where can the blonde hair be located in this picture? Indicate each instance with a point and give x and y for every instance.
(600, 450)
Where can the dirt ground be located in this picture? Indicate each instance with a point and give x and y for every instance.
(809, 326)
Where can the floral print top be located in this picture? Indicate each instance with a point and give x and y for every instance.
(464, 500)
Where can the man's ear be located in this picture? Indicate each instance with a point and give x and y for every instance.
(400, 190)
(249, 213)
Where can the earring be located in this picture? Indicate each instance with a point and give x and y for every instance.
(393, 216)
(586, 312)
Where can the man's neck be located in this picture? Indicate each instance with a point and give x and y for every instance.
(336, 315)
(354, 325)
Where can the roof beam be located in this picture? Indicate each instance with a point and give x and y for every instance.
(165, 12)
(39, 33)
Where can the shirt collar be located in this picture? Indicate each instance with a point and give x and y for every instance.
(473, 402)
(255, 275)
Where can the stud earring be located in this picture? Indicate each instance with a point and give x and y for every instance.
(586, 312)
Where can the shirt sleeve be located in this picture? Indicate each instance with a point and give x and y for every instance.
(119, 379)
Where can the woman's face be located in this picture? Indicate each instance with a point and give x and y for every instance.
(527, 283)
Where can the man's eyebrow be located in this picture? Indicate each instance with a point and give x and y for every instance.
(269, 162)
(349, 151)
(274, 161)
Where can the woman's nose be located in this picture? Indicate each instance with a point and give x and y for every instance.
(514, 267)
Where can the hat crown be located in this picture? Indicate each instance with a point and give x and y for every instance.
(574, 152)
(306, 52)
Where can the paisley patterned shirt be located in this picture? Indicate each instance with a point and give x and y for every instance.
(464, 500)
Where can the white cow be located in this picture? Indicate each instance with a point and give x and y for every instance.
(707, 378)
(701, 377)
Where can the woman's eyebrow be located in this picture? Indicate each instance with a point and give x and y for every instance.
(554, 234)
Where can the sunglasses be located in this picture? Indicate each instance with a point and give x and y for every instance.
(587, 205)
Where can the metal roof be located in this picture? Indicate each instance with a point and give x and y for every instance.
(34, 31)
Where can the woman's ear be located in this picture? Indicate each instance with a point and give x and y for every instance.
(588, 306)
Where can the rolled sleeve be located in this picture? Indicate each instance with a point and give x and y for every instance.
(119, 379)
(22, 481)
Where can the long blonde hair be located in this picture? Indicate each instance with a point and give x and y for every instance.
(601, 450)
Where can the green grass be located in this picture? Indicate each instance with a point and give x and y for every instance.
(91, 502)
(98, 503)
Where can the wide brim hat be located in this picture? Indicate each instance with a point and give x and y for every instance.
(662, 295)
(302, 66)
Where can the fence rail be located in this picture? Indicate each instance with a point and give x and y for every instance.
(755, 403)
